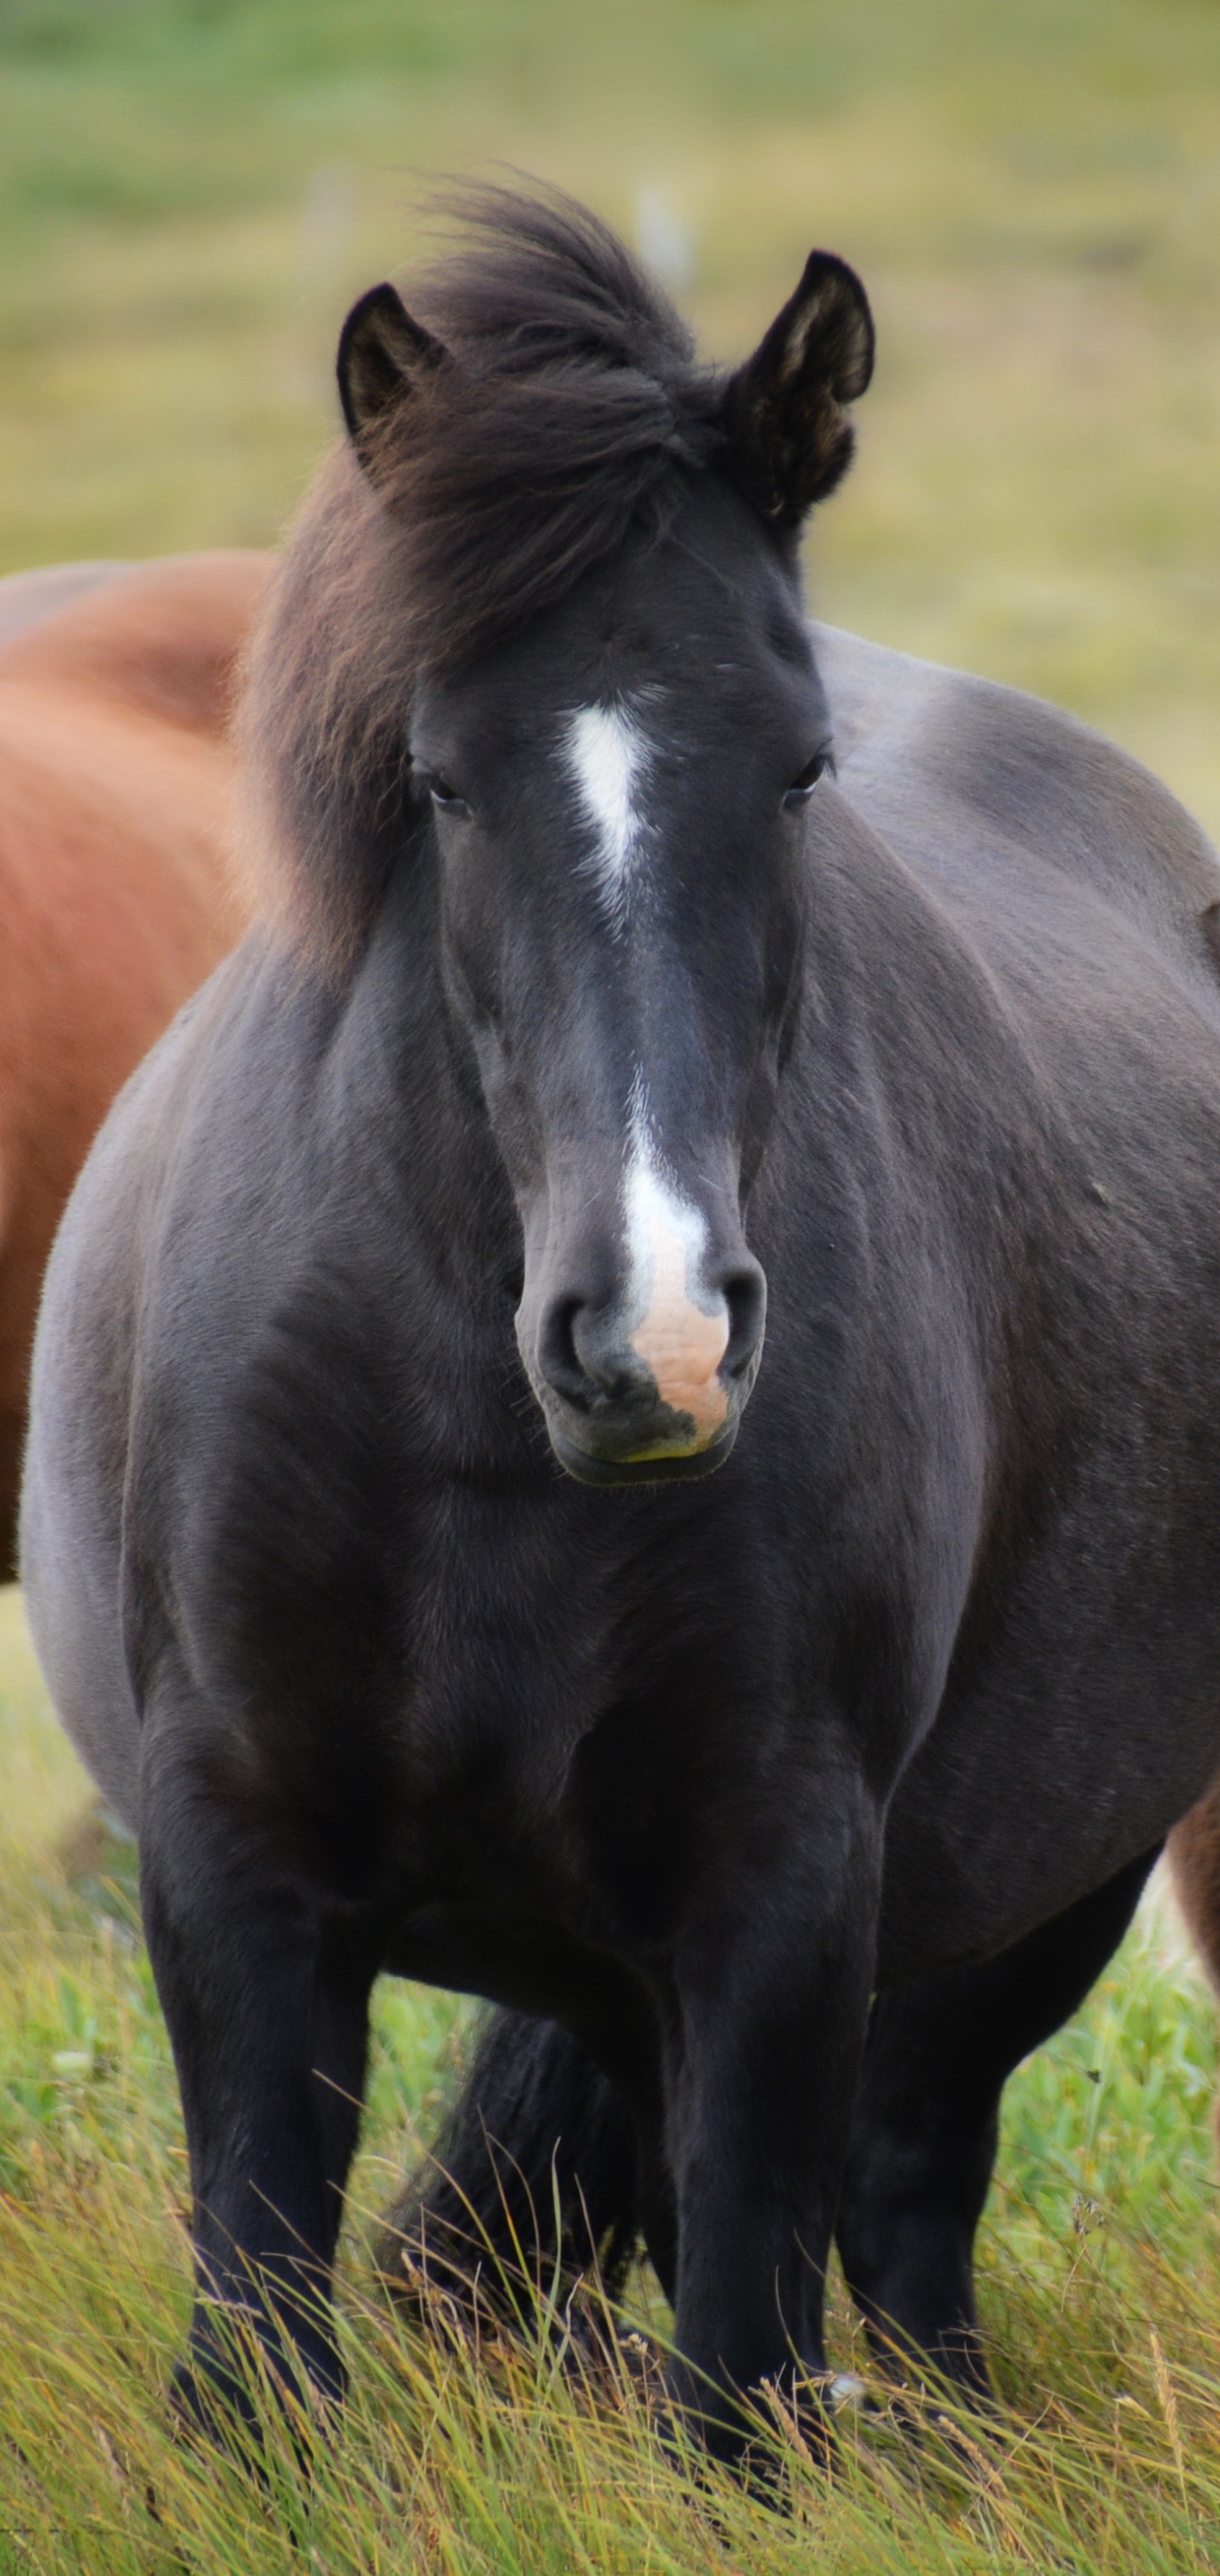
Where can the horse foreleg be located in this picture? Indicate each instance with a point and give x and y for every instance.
(923, 2140)
(265, 1993)
(772, 1976)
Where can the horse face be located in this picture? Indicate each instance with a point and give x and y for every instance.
(621, 801)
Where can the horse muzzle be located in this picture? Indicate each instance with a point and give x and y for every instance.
(648, 1397)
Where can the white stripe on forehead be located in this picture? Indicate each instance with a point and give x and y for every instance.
(607, 755)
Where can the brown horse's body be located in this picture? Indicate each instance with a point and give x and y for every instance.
(115, 787)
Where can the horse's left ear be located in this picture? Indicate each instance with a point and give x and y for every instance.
(789, 438)
(382, 350)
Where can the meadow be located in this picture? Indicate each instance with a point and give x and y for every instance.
(1098, 2275)
(190, 192)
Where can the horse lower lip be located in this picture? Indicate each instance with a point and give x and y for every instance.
(590, 1470)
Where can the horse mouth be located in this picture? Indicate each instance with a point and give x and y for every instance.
(659, 1467)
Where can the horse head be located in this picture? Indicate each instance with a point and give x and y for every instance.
(620, 805)
(615, 736)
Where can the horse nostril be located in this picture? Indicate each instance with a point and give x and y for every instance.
(558, 1358)
(745, 1295)
(581, 1355)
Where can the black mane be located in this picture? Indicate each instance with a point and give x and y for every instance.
(570, 403)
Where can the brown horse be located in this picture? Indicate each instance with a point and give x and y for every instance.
(115, 786)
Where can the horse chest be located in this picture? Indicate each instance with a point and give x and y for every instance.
(570, 1694)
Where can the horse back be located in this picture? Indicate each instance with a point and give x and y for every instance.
(163, 638)
(1037, 834)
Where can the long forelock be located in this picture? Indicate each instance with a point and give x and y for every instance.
(570, 410)
(570, 407)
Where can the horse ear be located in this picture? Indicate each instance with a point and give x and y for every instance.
(381, 349)
(789, 438)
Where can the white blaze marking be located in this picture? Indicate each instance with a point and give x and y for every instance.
(607, 755)
(680, 1340)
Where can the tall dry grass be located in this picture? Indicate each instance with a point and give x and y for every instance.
(1099, 2271)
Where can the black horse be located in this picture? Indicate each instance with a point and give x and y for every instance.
(634, 958)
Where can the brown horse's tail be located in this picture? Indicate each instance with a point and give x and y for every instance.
(1193, 1851)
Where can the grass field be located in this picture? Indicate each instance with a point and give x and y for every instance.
(1100, 2271)
(190, 191)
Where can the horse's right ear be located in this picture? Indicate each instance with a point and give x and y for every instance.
(381, 352)
(789, 438)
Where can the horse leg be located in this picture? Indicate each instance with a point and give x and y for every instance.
(265, 1991)
(1194, 1858)
(771, 1987)
(924, 2135)
(1193, 1851)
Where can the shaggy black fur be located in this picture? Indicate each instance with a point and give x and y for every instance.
(559, 399)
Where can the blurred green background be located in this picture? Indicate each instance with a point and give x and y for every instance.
(190, 190)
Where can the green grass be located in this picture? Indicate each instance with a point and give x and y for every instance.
(191, 190)
(1099, 2271)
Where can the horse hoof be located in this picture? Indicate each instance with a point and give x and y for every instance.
(215, 2395)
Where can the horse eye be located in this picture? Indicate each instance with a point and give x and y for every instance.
(445, 796)
(804, 785)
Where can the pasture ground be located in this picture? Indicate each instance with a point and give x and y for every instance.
(190, 191)
(1100, 2282)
